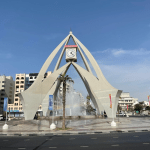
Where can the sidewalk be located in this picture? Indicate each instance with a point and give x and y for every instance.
(81, 126)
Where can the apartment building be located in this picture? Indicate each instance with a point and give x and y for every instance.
(125, 99)
(19, 87)
(6, 90)
(23, 82)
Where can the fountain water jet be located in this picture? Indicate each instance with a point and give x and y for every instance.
(75, 103)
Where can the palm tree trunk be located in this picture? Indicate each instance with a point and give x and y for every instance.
(64, 100)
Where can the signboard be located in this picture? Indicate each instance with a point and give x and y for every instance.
(5, 104)
(70, 45)
(50, 102)
(13, 110)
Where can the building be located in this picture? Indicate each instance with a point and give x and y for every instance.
(6, 90)
(19, 87)
(125, 99)
(23, 82)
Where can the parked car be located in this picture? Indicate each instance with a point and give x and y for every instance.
(121, 114)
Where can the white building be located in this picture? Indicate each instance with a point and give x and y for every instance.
(125, 99)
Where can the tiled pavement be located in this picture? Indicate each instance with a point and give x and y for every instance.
(81, 126)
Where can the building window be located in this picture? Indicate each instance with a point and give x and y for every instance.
(16, 104)
(16, 99)
(11, 84)
(20, 108)
(3, 85)
(3, 81)
(2, 94)
(1, 102)
(22, 77)
(3, 90)
(22, 81)
(10, 95)
(11, 108)
(17, 78)
(17, 82)
(16, 94)
(16, 108)
(17, 87)
(21, 86)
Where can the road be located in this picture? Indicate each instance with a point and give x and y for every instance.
(113, 141)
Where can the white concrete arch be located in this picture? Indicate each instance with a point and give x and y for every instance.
(98, 88)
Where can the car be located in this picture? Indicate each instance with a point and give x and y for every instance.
(121, 114)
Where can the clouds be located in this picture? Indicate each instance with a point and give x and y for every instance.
(120, 52)
(128, 70)
(133, 78)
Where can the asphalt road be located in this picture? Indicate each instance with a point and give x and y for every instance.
(113, 141)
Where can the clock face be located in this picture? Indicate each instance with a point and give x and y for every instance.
(71, 53)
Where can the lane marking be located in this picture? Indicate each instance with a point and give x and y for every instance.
(115, 145)
(145, 143)
(93, 138)
(52, 147)
(84, 146)
(115, 137)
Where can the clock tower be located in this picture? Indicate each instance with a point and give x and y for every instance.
(71, 53)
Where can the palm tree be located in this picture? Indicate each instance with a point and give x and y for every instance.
(63, 79)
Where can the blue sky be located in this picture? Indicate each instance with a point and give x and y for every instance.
(116, 32)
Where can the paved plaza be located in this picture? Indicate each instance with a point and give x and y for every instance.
(77, 126)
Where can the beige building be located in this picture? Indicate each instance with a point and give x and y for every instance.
(19, 87)
(125, 99)
(6, 90)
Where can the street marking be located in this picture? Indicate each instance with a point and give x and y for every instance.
(84, 146)
(115, 137)
(93, 138)
(21, 148)
(115, 145)
(52, 147)
(136, 136)
(145, 143)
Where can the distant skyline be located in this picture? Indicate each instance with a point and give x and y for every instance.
(116, 32)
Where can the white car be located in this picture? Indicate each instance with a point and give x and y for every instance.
(121, 114)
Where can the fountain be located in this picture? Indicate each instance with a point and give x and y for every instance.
(75, 103)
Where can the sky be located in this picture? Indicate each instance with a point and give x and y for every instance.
(116, 32)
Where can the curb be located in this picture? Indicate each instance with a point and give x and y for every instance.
(71, 133)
